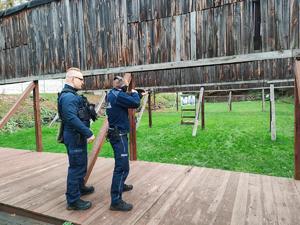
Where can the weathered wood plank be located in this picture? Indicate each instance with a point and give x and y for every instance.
(193, 20)
(230, 101)
(273, 113)
(140, 114)
(171, 65)
(199, 105)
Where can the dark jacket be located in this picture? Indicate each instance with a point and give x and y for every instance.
(117, 108)
(69, 104)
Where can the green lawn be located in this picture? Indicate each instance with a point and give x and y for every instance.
(238, 140)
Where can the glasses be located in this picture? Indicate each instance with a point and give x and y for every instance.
(79, 78)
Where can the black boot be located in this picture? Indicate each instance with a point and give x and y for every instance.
(121, 206)
(127, 187)
(79, 205)
(86, 190)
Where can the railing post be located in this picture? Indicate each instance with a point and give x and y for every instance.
(177, 101)
(149, 109)
(263, 103)
(272, 113)
(37, 117)
(297, 121)
(230, 101)
(202, 112)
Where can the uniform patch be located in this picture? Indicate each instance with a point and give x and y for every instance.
(108, 106)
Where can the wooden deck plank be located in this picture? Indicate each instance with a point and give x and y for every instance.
(220, 211)
(100, 183)
(16, 188)
(101, 207)
(146, 191)
(287, 201)
(29, 172)
(283, 213)
(157, 206)
(254, 206)
(60, 200)
(103, 202)
(173, 201)
(25, 163)
(163, 193)
(240, 204)
(270, 210)
(8, 152)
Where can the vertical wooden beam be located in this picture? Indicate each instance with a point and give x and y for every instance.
(177, 101)
(37, 117)
(297, 122)
(263, 103)
(132, 135)
(140, 114)
(202, 112)
(99, 141)
(199, 104)
(273, 117)
(154, 99)
(149, 110)
(270, 111)
(230, 101)
(15, 107)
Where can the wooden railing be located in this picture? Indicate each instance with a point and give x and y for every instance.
(33, 86)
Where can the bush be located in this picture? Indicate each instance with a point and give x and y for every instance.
(26, 120)
(47, 115)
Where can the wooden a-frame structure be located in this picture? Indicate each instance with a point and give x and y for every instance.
(133, 151)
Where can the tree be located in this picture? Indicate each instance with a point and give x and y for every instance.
(4, 4)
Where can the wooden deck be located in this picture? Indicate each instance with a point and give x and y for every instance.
(163, 193)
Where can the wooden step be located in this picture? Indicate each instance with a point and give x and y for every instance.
(187, 122)
(188, 110)
(193, 117)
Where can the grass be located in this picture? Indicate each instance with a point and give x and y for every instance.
(238, 140)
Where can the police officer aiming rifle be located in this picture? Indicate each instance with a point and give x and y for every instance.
(75, 113)
(118, 103)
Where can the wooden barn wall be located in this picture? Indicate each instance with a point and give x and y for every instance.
(93, 34)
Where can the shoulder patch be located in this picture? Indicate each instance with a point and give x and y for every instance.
(108, 106)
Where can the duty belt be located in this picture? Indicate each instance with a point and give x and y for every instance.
(117, 130)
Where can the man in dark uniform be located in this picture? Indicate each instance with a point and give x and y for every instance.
(118, 102)
(76, 134)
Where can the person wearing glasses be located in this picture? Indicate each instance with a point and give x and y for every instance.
(118, 103)
(76, 134)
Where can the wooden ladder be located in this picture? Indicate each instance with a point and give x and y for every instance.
(188, 112)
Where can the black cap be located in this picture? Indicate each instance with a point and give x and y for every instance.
(118, 78)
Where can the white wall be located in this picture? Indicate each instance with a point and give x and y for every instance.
(45, 86)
